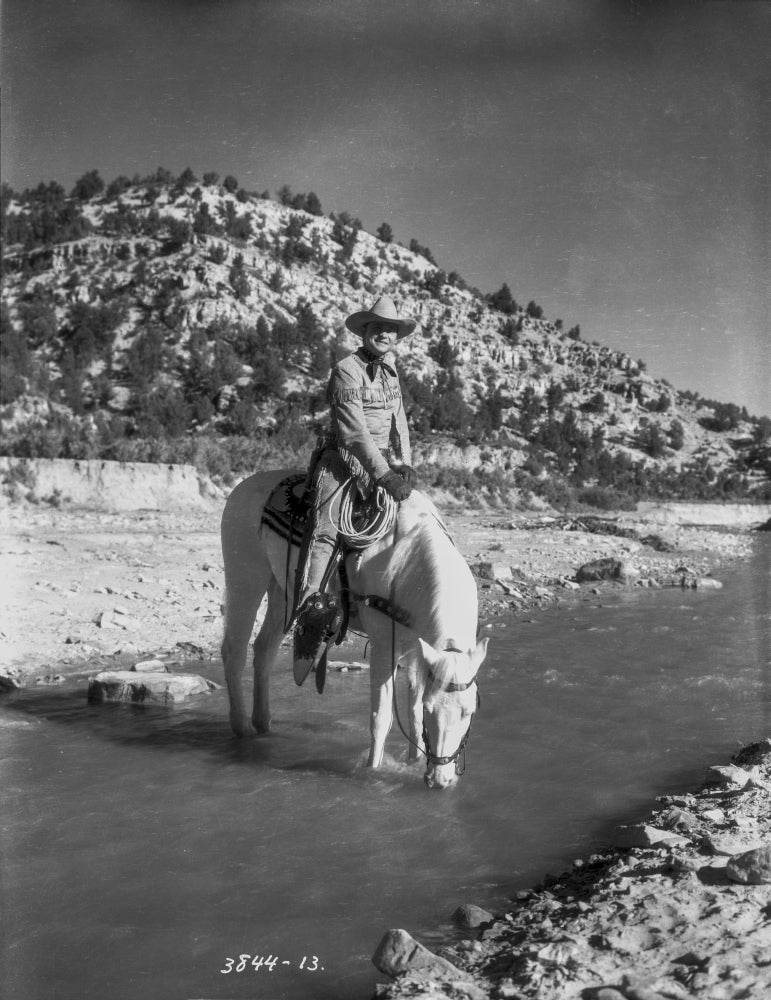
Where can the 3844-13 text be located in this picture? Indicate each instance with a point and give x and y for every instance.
(256, 963)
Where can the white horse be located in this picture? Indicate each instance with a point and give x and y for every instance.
(416, 568)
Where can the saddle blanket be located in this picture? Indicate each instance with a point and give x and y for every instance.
(286, 510)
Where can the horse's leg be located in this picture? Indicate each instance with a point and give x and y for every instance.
(265, 648)
(247, 576)
(243, 598)
(381, 666)
(415, 695)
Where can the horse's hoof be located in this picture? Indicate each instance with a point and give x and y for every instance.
(241, 729)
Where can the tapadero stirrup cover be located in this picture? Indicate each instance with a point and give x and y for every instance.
(318, 621)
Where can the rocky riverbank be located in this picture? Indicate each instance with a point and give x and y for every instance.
(678, 906)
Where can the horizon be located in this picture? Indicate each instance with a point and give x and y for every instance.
(609, 162)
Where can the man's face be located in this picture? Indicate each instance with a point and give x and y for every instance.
(380, 337)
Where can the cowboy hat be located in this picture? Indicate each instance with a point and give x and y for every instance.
(384, 311)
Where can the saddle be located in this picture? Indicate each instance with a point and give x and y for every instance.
(289, 512)
(287, 509)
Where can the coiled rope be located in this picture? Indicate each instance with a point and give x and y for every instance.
(362, 530)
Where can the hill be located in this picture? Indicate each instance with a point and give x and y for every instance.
(176, 320)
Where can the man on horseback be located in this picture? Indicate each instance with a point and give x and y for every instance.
(369, 441)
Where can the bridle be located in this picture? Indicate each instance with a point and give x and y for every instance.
(452, 686)
(453, 758)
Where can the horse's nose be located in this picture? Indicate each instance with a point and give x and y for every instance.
(441, 778)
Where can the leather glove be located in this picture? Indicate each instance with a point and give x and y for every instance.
(409, 475)
(395, 485)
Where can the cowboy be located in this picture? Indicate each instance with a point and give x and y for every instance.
(368, 440)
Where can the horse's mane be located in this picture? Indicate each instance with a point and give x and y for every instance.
(426, 560)
(419, 528)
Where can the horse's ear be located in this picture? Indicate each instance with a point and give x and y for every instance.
(429, 654)
(479, 653)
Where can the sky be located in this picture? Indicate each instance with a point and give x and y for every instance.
(607, 158)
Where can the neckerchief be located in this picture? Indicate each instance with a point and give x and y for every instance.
(374, 362)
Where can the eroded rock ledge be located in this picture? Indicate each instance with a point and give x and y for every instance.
(677, 907)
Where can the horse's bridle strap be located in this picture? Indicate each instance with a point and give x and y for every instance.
(452, 758)
(453, 685)
(384, 605)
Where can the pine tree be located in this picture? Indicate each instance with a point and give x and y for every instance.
(384, 233)
(503, 301)
(88, 186)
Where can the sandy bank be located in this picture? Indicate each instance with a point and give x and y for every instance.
(726, 515)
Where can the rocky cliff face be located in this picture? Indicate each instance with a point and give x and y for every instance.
(185, 309)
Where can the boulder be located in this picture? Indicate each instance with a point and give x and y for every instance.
(11, 680)
(154, 688)
(498, 572)
(679, 819)
(727, 776)
(468, 915)
(728, 844)
(752, 867)
(398, 953)
(635, 988)
(153, 666)
(607, 569)
(644, 835)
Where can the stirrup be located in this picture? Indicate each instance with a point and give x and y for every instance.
(318, 621)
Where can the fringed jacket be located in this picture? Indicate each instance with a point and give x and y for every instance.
(369, 426)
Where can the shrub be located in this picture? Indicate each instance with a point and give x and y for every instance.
(38, 320)
(442, 351)
(313, 204)
(117, 187)
(146, 357)
(651, 440)
(533, 310)
(422, 251)
(676, 435)
(179, 234)
(384, 233)
(88, 186)
(90, 330)
(435, 282)
(14, 360)
(511, 330)
(162, 412)
(595, 404)
(603, 498)
(503, 301)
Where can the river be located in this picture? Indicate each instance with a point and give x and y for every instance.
(146, 852)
